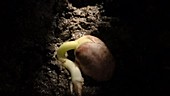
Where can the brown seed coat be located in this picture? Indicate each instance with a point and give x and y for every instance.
(95, 60)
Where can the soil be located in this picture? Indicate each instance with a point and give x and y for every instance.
(136, 33)
(68, 25)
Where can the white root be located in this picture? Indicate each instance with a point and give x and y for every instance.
(76, 77)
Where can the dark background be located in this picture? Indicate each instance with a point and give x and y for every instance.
(145, 69)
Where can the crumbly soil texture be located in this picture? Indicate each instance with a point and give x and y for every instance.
(135, 32)
(69, 24)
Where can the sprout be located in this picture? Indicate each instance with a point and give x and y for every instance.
(91, 56)
(76, 76)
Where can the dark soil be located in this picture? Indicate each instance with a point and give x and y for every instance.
(136, 33)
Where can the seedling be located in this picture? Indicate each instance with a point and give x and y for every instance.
(92, 57)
